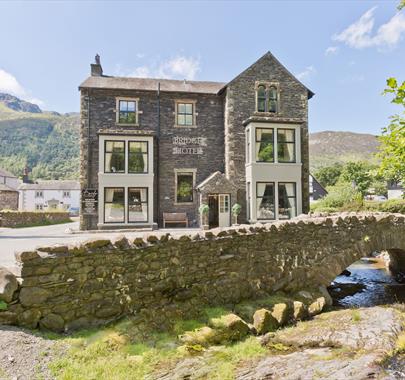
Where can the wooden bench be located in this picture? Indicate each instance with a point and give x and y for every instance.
(174, 217)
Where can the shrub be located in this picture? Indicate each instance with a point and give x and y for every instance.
(392, 205)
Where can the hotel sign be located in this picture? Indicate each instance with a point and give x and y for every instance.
(189, 145)
(89, 201)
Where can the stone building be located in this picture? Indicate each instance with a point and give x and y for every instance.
(8, 198)
(155, 150)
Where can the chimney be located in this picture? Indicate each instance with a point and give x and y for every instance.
(25, 177)
(96, 69)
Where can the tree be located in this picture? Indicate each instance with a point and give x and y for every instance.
(358, 174)
(392, 149)
(329, 175)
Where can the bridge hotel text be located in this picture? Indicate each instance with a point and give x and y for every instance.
(151, 147)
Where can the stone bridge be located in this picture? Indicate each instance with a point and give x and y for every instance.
(64, 287)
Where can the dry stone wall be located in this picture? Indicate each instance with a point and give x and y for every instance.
(158, 277)
(26, 218)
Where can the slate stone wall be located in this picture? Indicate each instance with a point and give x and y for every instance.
(209, 121)
(8, 200)
(22, 218)
(159, 277)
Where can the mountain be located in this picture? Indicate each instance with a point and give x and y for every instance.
(329, 147)
(45, 142)
(16, 104)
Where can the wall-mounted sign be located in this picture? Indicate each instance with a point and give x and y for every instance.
(89, 201)
(189, 145)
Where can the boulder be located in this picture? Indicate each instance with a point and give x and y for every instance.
(29, 318)
(324, 293)
(300, 311)
(281, 313)
(263, 321)
(204, 336)
(8, 285)
(52, 322)
(231, 327)
(317, 306)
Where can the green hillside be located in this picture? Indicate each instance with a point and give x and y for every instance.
(45, 142)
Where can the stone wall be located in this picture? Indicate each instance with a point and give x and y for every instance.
(27, 218)
(8, 200)
(64, 288)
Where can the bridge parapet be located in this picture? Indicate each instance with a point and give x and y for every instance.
(67, 287)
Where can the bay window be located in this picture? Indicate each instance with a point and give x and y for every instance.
(265, 205)
(286, 145)
(114, 205)
(137, 157)
(137, 204)
(264, 145)
(287, 200)
(114, 157)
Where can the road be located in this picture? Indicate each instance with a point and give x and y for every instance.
(24, 239)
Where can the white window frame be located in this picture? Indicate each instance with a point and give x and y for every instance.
(195, 114)
(39, 194)
(117, 111)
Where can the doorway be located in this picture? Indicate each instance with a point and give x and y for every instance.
(219, 213)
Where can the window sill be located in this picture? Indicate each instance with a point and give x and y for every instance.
(183, 203)
(127, 125)
(185, 126)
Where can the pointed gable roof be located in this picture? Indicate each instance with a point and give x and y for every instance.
(267, 55)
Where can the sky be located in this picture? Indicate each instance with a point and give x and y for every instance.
(342, 50)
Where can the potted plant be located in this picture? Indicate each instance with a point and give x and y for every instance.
(236, 209)
(204, 210)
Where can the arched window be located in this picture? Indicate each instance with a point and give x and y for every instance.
(261, 98)
(272, 99)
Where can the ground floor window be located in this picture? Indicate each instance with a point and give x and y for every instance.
(39, 207)
(137, 204)
(287, 200)
(184, 187)
(114, 205)
(265, 208)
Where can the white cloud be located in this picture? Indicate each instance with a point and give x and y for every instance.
(179, 67)
(331, 50)
(360, 34)
(306, 74)
(10, 85)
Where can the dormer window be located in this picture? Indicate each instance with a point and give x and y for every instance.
(267, 98)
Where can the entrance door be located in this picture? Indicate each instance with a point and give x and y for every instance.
(224, 211)
(213, 216)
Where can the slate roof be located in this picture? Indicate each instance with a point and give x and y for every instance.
(151, 84)
(51, 185)
(5, 173)
(4, 187)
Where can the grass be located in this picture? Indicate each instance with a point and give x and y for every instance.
(129, 351)
(42, 223)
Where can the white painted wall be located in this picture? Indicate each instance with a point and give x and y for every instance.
(272, 172)
(125, 180)
(28, 200)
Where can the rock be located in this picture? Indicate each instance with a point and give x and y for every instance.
(33, 296)
(281, 313)
(108, 311)
(305, 294)
(204, 336)
(300, 311)
(52, 322)
(326, 295)
(264, 321)
(29, 318)
(231, 326)
(8, 285)
(346, 273)
(26, 256)
(317, 306)
(97, 243)
(8, 318)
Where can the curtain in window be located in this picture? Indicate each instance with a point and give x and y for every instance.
(114, 205)
(265, 201)
(137, 205)
(287, 201)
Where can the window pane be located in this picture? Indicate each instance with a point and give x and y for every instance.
(273, 93)
(181, 120)
(265, 201)
(114, 205)
(261, 99)
(123, 117)
(184, 187)
(189, 109)
(287, 207)
(181, 108)
(264, 145)
(286, 135)
(123, 105)
(131, 106)
(131, 118)
(189, 119)
(137, 205)
(138, 163)
(115, 162)
(272, 106)
(138, 146)
(261, 105)
(286, 152)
